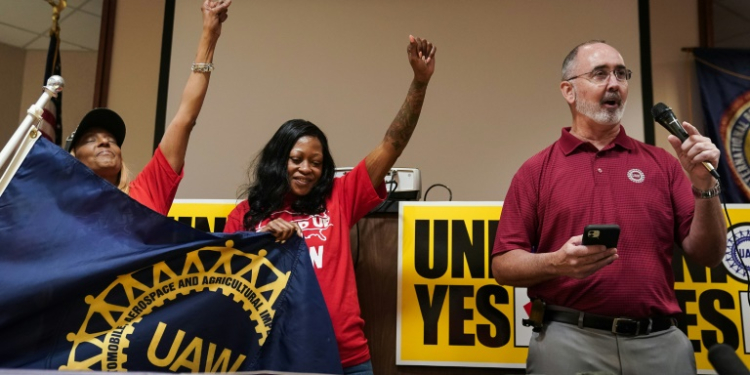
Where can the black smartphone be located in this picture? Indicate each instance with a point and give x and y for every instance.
(601, 234)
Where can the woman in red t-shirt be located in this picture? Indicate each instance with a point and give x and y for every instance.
(97, 140)
(293, 191)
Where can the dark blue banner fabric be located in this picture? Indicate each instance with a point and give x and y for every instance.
(724, 79)
(91, 279)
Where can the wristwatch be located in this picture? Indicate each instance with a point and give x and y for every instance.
(707, 194)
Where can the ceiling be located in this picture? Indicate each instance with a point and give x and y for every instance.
(731, 23)
(26, 24)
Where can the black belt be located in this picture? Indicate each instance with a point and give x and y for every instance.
(619, 326)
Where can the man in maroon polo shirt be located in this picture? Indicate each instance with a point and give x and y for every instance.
(611, 309)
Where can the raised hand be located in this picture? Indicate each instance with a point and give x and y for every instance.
(175, 140)
(693, 152)
(421, 55)
(281, 229)
(214, 14)
(422, 58)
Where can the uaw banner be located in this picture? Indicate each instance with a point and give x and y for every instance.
(92, 280)
(724, 79)
(451, 312)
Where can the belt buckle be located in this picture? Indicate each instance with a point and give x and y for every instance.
(625, 326)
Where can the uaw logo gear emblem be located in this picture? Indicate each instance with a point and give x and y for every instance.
(134, 307)
(737, 256)
(636, 175)
(735, 132)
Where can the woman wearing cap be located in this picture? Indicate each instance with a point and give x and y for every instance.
(98, 138)
(293, 190)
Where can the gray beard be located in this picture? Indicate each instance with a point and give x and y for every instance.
(600, 115)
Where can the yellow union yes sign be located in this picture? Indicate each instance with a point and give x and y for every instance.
(451, 312)
(209, 215)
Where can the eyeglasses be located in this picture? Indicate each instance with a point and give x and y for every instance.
(599, 76)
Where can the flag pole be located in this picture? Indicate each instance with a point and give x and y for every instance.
(54, 86)
(57, 7)
(52, 125)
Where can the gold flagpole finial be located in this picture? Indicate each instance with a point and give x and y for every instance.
(57, 7)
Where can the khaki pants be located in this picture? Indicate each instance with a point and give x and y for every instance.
(562, 349)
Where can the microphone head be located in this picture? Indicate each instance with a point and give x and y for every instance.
(725, 361)
(666, 118)
(660, 110)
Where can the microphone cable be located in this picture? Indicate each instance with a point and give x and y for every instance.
(450, 193)
(386, 203)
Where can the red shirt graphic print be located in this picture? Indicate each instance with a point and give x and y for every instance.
(316, 229)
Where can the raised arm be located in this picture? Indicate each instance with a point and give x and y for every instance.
(421, 55)
(175, 141)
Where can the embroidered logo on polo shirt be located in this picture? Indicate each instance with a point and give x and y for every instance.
(636, 175)
(737, 254)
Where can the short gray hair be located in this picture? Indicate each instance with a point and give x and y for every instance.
(567, 64)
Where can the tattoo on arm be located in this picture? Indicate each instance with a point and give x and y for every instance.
(403, 125)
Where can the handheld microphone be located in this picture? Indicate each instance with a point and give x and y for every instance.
(664, 116)
(725, 361)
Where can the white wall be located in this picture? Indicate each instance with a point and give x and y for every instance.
(492, 103)
(11, 69)
(134, 75)
(22, 74)
(674, 80)
(79, 72)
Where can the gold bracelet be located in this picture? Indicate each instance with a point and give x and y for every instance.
(707, 194)
(202, 67)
